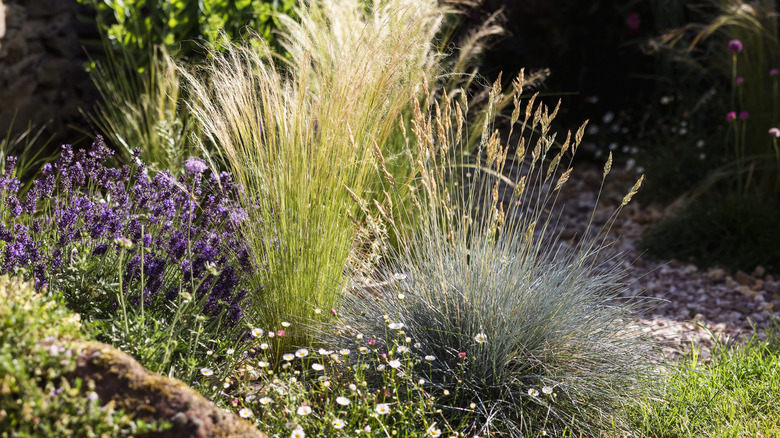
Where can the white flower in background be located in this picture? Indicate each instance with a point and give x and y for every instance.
(480, 338)
(402, 349)
(263, 364)
(430, 357)
(382, 409)
(317, 366)
(344, 351)
(264, 401)
(343, 401)
(257, 332)
(302, 353)
(303, 410)
(245, 413)
(533, 392)
(547, 390)
(396, 325)
(394, 364)
(298, 433)
(207, 372)
(285, 324)
(399, 276)
(338, 423)
(288, 356)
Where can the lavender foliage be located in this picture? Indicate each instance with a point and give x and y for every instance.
(63, 233)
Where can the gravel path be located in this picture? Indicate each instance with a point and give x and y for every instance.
(699, 305)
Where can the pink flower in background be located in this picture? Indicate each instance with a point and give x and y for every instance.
(633, 21)
(774, 72)
(744, 115)
(774, 132)
(735, 46)
(739, 81)
(730, 117)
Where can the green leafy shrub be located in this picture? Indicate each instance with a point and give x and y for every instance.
(180, 26)
(36, 396)
(527, 336)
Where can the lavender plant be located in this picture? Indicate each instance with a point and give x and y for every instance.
(132, 252)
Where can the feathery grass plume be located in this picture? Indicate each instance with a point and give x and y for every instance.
(142, 107)
(311, 134)
(529, 335)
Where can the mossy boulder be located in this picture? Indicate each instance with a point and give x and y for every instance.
(145, 395)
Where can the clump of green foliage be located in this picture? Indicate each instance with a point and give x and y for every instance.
(37, 398)
(134, 26)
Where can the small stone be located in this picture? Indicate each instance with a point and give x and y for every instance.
(716, 274)
(760, 271)
(743, 278)
(758, 285)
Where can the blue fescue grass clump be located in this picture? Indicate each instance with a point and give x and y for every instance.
(139, 255)
(528, 336)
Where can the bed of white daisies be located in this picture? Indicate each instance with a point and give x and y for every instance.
(364, 391)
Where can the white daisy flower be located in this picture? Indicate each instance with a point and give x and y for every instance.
(396, 325)
(382, 409)
(324, 352)
(302, 353)
(264, 346)
(430, 357)
(288, 356)
(344, 351)
(480, 338)
(547, 390)
(394, 364)
(317, 366)
(338, 423)
(343, 401)
(289, 425)
(303, 410)
(402, 349)
(264, 401)
(533, 392)
(257, 332)
(263, 364)
(245, 413)
(207, 372)
(298, 433)
(285, 324)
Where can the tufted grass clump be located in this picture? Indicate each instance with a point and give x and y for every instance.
(527, 333)
(315, 139)
(37, 397)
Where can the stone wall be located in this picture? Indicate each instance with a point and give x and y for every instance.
(42, 78)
